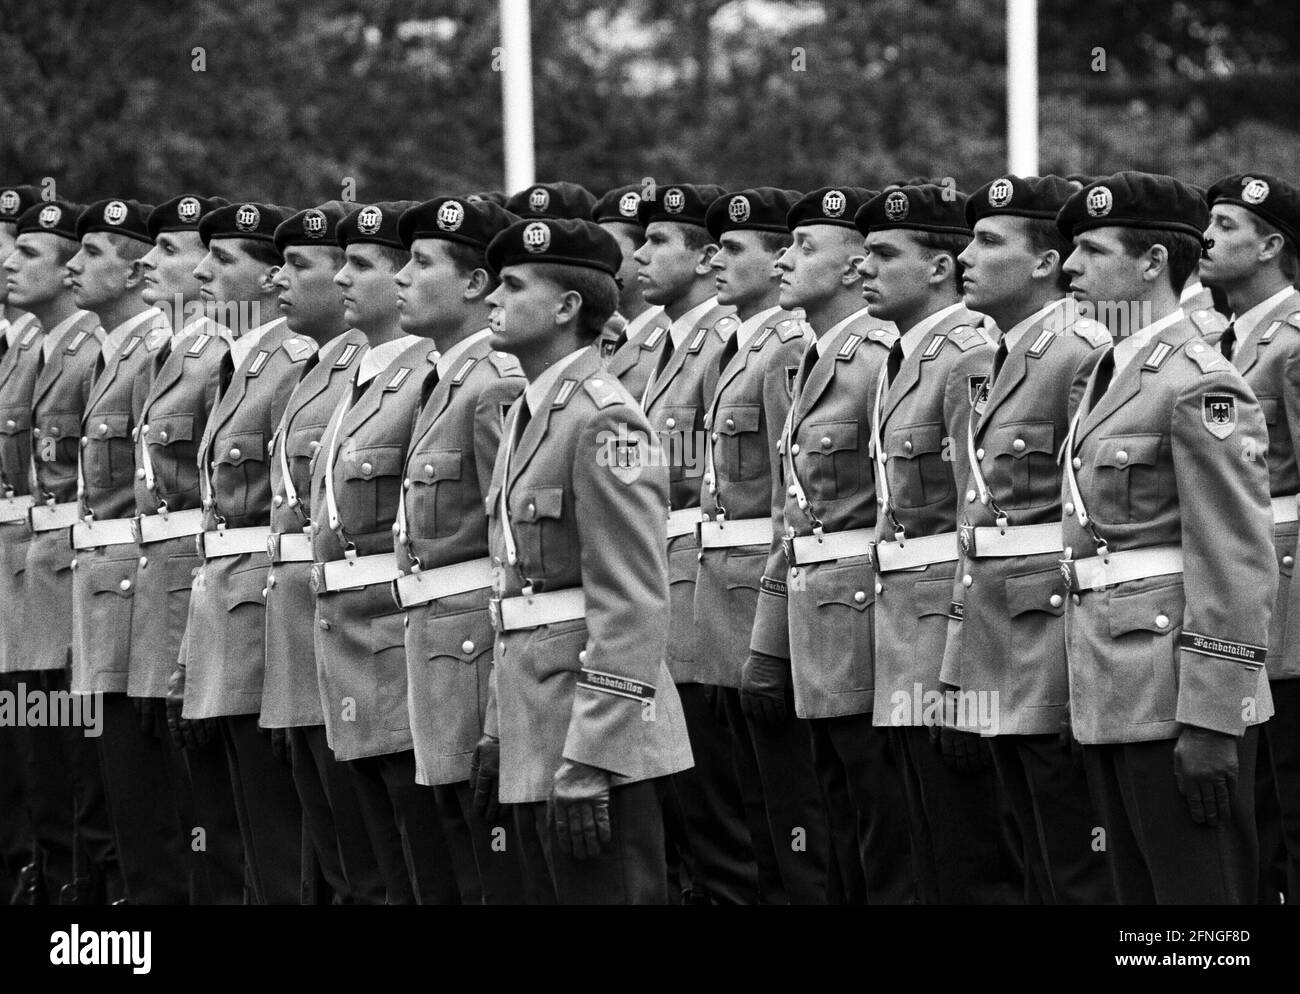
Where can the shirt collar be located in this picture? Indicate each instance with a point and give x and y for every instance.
(922, 328)
(641, 320)
(10, 335)
(1017, 330)
(54, 339)
(380, 357)
(1127, 348)
(826, 340)
(244, 344)
(1242, 326)
(683, 325)
(114, 339)
(537, 390)
(749, 328)
(447, 361)
(1190, 289)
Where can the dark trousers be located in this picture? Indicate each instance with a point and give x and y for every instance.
(1158, 855)
(487, 852)
(402, 820)
(182, 802)
(152, 842)
(1283, 734)
(630, 870)
(16, 840)
(215, 838)
(715, 844)
(333, 820)
(793, 821)
(1048, 796)
(862, 782)
(962, 852)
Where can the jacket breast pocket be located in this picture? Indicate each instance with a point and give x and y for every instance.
(59, 437)
(300, 447)
(172, 453)
(1143, 655)
(678, 437)
(917, 471)
(837, 465)
(15, 443)
(1130, 486)
(239, 472)
(372, 482)
(740, 448)
(109, 450)
(537, 514)
(1025, 462)
(432, 503)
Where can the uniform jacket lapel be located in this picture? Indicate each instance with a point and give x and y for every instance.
(1247, 352)
(1126, 385)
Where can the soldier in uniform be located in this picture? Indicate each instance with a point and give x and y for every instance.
(923, 399)
(63, 761)
(1254, 233)
(441, 533)
(360, 636)
(312, 306)
(811, 646)
(106, 278)
(1170, 558)
(1008, 644)
(219, 670)
(584, 720)
(635, 334)
(552, 200)
(706, 807)
(172, 420)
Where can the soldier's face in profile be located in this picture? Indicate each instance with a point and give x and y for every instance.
(429, 286)
(896, 274)
(34, 270)
(309, 298)
(822, 259)
(169, 268)
(527, 309)
(629, 238)
(1102, 272)
(366, 279)
(6, 246)
(228, 273)
(999, 264)
(667, 268)
(743, 270)
(1237, 245)
(98, 275)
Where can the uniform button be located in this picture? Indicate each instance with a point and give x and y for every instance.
(1121, 457)
(907, 446)
(789, 531)
(73, 564)
(162, 435)
(125, 585)
(324, 625)
(792, 490)
(428, 470)
(501, 647)
(1162, 621)
(860, 597)
(531, 508)
(367, 468)
(313, 446)
(730, 423)
(1075, 598)
(144, 429)
(55, 431)
(670, 423)
(84, 441)
(467, 646)
(826, 442)
(1076, 462)
(1018, 445)
(1288, 561)
(708, 481)
(144, 561)
(406, 483)
(11, 424)
(1054, 600)
(1069, 508)
(979, 453)
(103, 428)
(139, 474)
(406, 622)
(594, 383)
(880, 587)
(970, 496)
(967, 580)
(714, 436)
(794, 449)
(264, 593)
(235, 453)
(36, 432)
(277, 500)
(207, 505)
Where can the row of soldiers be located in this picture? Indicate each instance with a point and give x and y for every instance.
(682, 545)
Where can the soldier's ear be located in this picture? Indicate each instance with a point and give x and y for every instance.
(1273, 245)
(1047, 266)
(1154, 262)
(942, 266)
(702, 267)
(851, 264)
(478, 286)
(134, 274)
(569, 307)
(267, 282)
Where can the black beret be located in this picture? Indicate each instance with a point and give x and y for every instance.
(566, 242)
(836, 205)
(928, 207)
(16, 199)
(618, 205)
(182, 213)
(117, 217)
(255, 222)
(683, 203)
(762, 208)
(314, 226)
(1020, 196)
(1275, 200)
(1135, 200)
(455, 219)
(375, 224)
(553, 200)
(54, 217)
(495, 196)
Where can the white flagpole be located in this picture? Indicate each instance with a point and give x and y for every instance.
(1022, 87)
(517, 94)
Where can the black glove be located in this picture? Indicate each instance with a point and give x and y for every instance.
(484, 775)
(1205, 770)
(965, 752)
(763, 683)
(579, 807)
(280, 745)
(186, 733)
(1069, 742)
(147, 714)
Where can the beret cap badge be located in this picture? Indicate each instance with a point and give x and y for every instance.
(738, 209)
(115, 212)
(1000, 193)
(451, 215)
(537, 237)
(1099, 202)
(9, 203)
(833, 203)
(247, 217)
(369, 220)
(314, 223)
(50, 216)
(1254, 191)
(188, 210)
(539, 199)
(674, 201)
(628, 204)
(896, 205)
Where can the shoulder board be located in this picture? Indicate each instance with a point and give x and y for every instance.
(129, 346)
(1207, 320)
(198, 345)
(932, 350)
(966, 337)
(157, 338)
(1093, 332)
(433, 356)
(346, 354)
(299, 349)
(602, 392)
(29, 337)
(1042, 343)
(259, 361)
(1208, 358)
(460, 374)
(884, 336)
(655, 337)
(697, 342)
(565, 393)
(849, 346)
(1293, 319)
(790, 329)
(761, 338)
(77, 340)
(398, 378)
(505, 364)
(726, 327)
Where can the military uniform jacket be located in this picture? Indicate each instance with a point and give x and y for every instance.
(58, 402)
(1171, 455)
(1200, 310)
(1010, 638)
(675, 404)
(173, 420)
(224, 652)
(744, 422)
(360, 635)
(593, 690)
(18, 371)
(923, 435)
(636, 356)
(447, 476)
(290, 690)
(820, 616)
(104, 580)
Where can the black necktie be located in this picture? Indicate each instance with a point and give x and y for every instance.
(810, 357)
(895, 361)
(1229, 340)
(999, 357)
(665, 354)
(1105, 370)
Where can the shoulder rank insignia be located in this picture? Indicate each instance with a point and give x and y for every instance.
(1269, 332)
(697, 342)
(28, 337)
(299, 349)
(602, 392)
(1219, 414)
(1205, 356)
(198, 345)
(653, 339)
(129, 346)
(1157, 358)
(884, 336)
(565, 393)
(258, 362)
(398, 378)
(761, 338)
(505, 363)
(1093, 332)
(459, 376)
(849, 346)
(966, 337)
(1207, 320)
(726, 327)
(157, 339)
(76, 342)
(1042, 343)
(346, 355)
(790, 329)
(932, 350)
(1293, 319)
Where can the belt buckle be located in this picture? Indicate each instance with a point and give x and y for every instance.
(787, 543)
(317, 578)
(1069, 574)
(966, 539)
(137, 532)
(198, 546)
(494, 612)
(871, 554)
(273, 546)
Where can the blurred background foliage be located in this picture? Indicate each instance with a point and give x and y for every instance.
(402, 96)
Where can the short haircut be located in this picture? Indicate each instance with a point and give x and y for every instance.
(467, 258)
(1287, 260)
(1044, 236)
(397, 257)
(64, 250)
(260, 251)
(774, 241)
(696, 238)
(129, 249)
(1184, 250)
(935, 243)
(599, 295)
